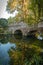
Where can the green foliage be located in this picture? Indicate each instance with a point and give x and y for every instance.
(28, 11)
(12, 20)
(37, 8)
(3, 23)
(25, 54)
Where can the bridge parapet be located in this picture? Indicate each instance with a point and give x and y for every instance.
(24, 28)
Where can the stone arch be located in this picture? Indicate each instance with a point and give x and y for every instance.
(18, 33)
(32, 33)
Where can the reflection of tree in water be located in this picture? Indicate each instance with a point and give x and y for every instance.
(26, 53)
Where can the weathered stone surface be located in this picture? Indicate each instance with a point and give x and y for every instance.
(24, 27)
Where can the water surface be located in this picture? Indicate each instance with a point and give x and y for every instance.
(8, 42)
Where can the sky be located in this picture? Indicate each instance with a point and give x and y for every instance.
(3, 12)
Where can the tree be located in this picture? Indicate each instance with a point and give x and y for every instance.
(29, 11)
(3, 24)
(37, 8)
(21, 6)
(14, 19)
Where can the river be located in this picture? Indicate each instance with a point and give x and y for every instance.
(9, 41)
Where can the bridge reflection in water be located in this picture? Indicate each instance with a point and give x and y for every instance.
(21, 39)
(9, 42)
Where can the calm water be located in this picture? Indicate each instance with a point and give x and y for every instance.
(8, 42)
(5, 46)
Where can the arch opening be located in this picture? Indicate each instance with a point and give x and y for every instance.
(18, 34)
(31, 34)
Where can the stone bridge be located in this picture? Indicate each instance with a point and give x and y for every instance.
(23, 27)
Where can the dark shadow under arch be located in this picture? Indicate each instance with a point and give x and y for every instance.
(31, 34)
(18, 34)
